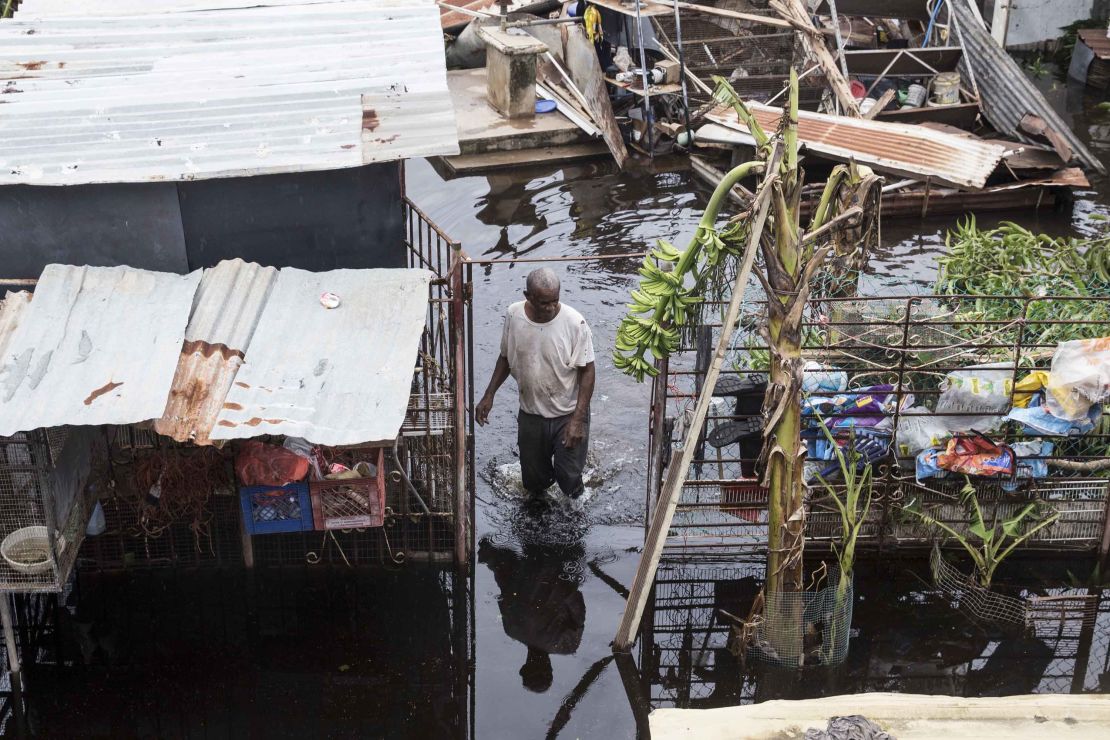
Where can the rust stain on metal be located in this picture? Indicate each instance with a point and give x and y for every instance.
(370, 120)
(208, 349)
(256, 420)
(233, 406)
(388, 140)
(226, 423)
(106, 388)
(913, 150)
(32, 66)
(241, 384)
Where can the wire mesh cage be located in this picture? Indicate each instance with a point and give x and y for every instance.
(755, 58)
(892, 378)
(47, 488)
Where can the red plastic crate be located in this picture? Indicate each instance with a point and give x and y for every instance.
(353, 502)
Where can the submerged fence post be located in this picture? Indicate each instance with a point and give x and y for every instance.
(458, 350)
(9, 636)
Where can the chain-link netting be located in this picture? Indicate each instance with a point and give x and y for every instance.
(804, 628)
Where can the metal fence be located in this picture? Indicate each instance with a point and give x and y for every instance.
(913, 347)
(914, 641)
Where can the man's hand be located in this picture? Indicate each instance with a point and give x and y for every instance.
(573, 433)
(481, 413)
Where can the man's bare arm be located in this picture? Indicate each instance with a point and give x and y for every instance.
(500, 374)
(576, 429)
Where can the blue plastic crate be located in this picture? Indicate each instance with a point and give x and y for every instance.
(270, 510)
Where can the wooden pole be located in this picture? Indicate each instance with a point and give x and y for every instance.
(9, 635)
(681, 459)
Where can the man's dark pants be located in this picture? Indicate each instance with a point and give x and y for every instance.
(543, 457)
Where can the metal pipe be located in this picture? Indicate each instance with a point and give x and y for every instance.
(682, 76)
(405, 478)
(647, 82)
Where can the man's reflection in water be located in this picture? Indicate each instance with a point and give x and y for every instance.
(540, 603)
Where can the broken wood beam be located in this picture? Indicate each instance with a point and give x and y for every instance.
(739, 194)
(880, 104)
(813, 38)
(663, 512)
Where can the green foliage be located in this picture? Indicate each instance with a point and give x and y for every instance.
(1037, 67)
(1012, 261)
(662, 304)
(1066, 43)
(6, 10)
(853, 504)
(987, 544)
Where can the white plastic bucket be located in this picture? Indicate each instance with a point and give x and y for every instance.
(915, 96)
(946, 88)
(27, 550)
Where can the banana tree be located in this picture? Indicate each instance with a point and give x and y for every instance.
(987, 544)
(666, 299)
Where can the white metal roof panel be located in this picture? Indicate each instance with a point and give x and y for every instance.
(333, 376)
(97, 345)
(283, 87)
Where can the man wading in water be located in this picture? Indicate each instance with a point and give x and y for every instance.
(548, 348)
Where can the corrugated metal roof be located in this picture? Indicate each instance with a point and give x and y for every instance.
(226, 310)
(1096, 39)
(1006, 94)
(72, 8)
(284, 87)
(97, 345)
(913, 151)
(333, 376)
(242, 349)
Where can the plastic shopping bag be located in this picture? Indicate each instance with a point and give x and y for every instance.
(1080, 377)
(980, 393)
(975, 454)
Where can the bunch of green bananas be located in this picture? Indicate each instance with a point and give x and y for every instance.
(658, 308)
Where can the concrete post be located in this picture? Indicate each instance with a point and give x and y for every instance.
(511, 71)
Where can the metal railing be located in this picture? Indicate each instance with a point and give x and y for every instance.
(912, 345)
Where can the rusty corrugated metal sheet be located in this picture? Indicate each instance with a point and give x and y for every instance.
(226, 310)
(97, 345)
(906, 150)
(453, 19)
(1096, 39)
(220, 91)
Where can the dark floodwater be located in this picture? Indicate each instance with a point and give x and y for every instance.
(306, 654)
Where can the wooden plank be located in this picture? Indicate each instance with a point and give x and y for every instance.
(961, 115)
(670, 89)
(628, 7)
(910, 10)
(874, 61)
(663, 513)
(468, 164)
(585, 71)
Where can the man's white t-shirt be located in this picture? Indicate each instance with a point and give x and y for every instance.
(545, 358)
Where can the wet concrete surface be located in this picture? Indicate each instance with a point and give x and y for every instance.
(305, 654)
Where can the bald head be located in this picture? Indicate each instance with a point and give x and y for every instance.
(542, 291)
(542, 280)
